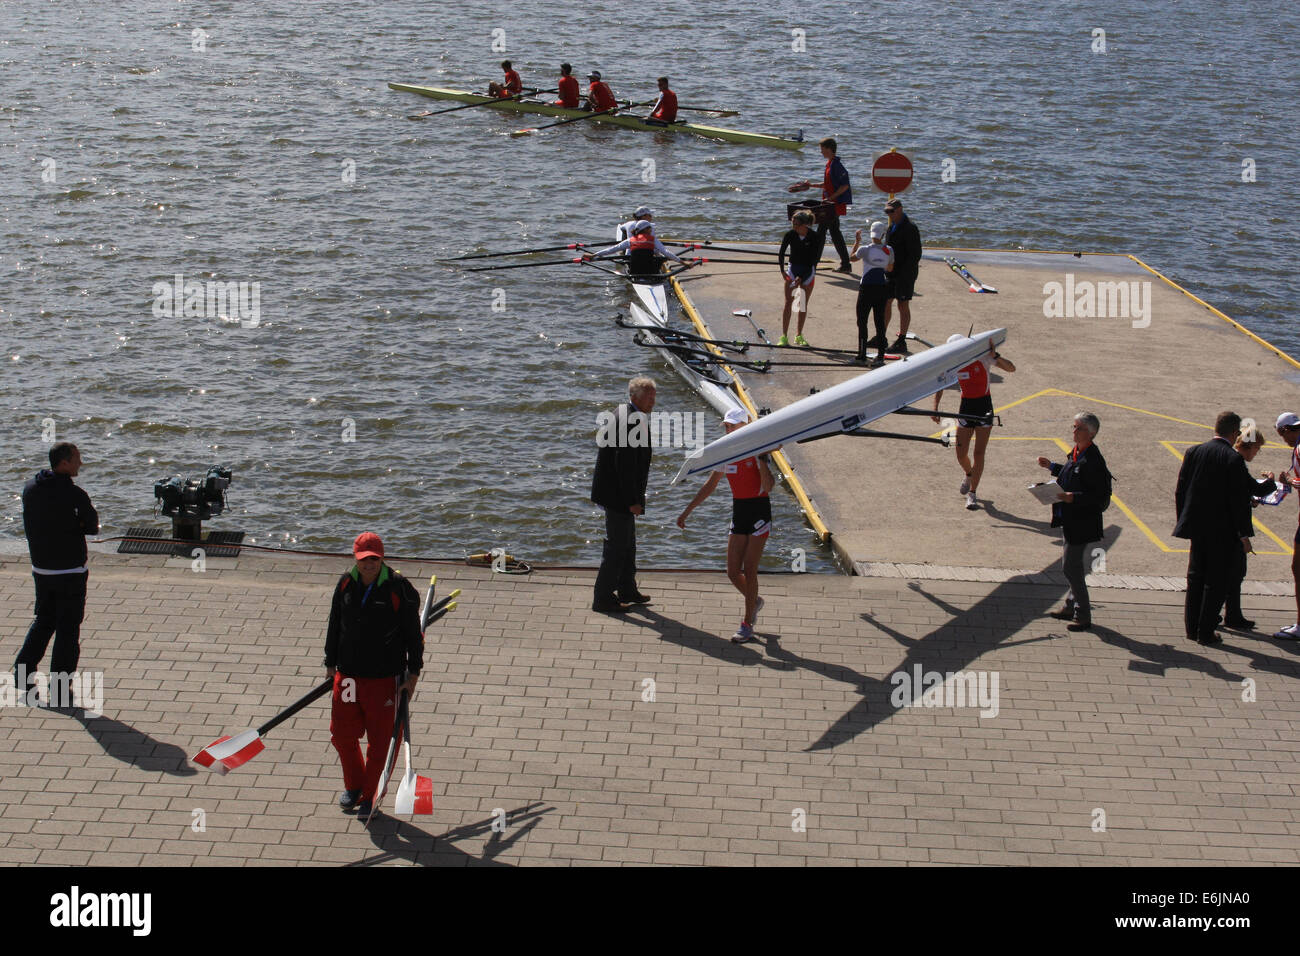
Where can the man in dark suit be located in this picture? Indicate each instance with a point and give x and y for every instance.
(618, 486)
(1213, 507)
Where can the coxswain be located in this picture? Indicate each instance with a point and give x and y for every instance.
(624, 230)
(600, 98)
(513, 86)
(568, 85)
(665, 110)
(644, 251)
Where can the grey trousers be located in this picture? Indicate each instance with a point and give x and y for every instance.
(1075, 574)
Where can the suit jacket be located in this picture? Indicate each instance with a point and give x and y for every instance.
(1089, 479)
(622, 460)
(1213, 494)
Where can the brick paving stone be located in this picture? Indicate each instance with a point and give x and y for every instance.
(1132, 719)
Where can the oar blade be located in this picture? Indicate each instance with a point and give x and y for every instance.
(229, 753)
(523, 132)
(414, 795)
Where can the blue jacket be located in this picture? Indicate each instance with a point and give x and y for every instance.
(57, 516)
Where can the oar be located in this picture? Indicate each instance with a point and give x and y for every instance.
(487, 102)
(415, 792)
(735, 345)
(226, 753)
(524, 265)
(520, 252)
(575, 119)
(710, 109)
(708, 244)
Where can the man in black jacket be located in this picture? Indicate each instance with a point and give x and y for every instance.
(618, 486)
(905, 239)
(1085, 483)
(57, 516)
(1212, 502)
(373, 642)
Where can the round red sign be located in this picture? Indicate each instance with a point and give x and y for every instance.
(891, 172)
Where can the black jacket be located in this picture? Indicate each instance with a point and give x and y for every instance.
(1090, 480)
(1213, 494)
(380, 638)
(905, 240)
(57, 516)
(622, 461)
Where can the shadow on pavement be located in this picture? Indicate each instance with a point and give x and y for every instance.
(131, 746)
(399, 840)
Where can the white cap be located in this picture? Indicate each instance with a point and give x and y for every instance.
(877, 229)
(1288, 420)
(737, 416)
(955, 337)
(641, 225)
(642, 211)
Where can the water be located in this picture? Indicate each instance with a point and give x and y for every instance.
(473, 427)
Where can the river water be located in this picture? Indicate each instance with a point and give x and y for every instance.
(452, 413)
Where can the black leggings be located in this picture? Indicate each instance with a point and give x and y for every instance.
(871, 306)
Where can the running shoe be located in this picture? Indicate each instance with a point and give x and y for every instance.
(744, 633)
(1289, 633)
(899, 347)
(800, 340)
(965, 486)
(971, 503)
(783, 341)
(757, 609)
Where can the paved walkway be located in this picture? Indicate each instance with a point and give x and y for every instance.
(537, 713)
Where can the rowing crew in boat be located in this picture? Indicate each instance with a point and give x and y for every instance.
(624, 230)
(645, 253)
(600, 98)
(665, 110)
(568, 85)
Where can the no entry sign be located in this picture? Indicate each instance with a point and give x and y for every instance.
(891, 172)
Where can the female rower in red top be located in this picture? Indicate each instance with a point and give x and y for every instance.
(600, 98)
(973, 380)
(513, 86)
(568, 86)
(751, 522)
(665, 110)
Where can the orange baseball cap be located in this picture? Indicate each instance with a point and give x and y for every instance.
(367, 545)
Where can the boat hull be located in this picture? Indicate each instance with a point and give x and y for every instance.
(848, 405)
(616, 119)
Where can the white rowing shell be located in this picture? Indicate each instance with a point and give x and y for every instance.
(847, 406)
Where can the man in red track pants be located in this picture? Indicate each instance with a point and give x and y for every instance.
(373, 640)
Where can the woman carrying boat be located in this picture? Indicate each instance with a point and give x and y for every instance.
(644, 251)
(751, 522)
(976, 400)
(805, 248)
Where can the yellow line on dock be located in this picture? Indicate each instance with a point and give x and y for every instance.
(782, 463)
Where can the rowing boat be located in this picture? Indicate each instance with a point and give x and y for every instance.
(616, 119)
(847, 407)
(649, 310)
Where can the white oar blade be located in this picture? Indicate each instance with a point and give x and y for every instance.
(228, 753)
(799, 301)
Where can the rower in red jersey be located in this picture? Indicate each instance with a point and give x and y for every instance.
(513, 86)
(665, 110)
(568, 85)
(600, 98)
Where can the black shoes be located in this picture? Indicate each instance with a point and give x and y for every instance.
(1064, 614)
(1080, 624)
(636, 597)
(1239, 624)
(846, 268)
(876, 344)
(349, 799)
(899, 347)
(1207, 639)
(609, 606)
(364, 809)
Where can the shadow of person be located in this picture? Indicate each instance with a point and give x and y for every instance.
(692, 638)
(1042, 526)
(1160, 657)
(123, 742)
(400, 840)
(951, 647)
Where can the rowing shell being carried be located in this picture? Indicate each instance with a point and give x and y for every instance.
(615, 119)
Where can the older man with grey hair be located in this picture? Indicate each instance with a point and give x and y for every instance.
(618, 485)
(1085, 483)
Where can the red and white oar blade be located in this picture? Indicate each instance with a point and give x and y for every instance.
(414, 795)
(228, 753)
